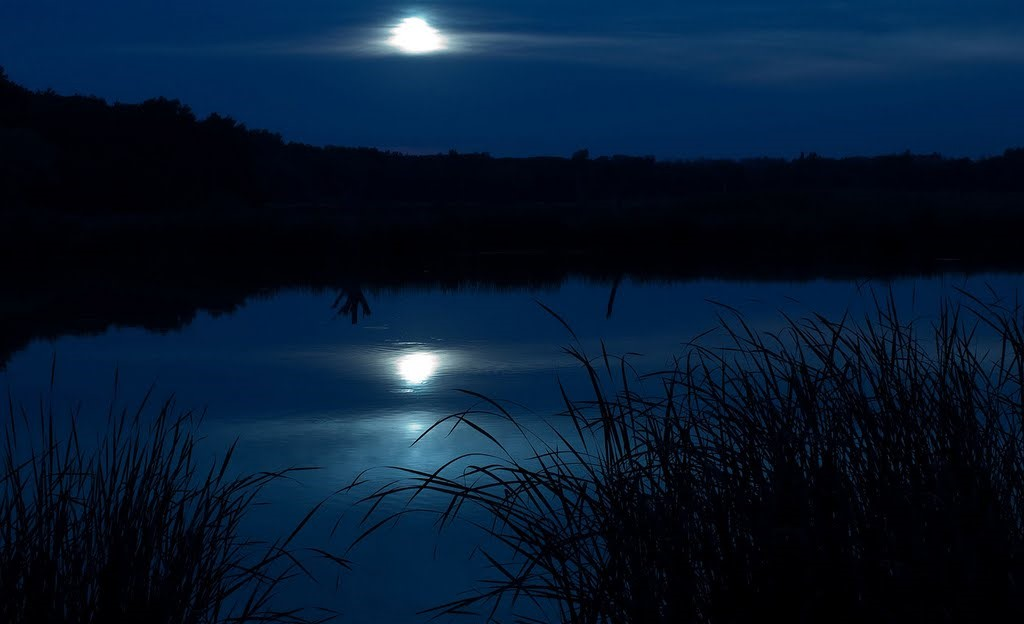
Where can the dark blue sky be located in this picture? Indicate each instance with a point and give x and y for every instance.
(669, 78)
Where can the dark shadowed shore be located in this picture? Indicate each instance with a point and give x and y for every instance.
(142, 215)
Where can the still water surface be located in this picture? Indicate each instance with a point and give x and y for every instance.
(297, 385)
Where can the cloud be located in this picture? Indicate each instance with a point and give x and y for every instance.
(768, 55)
(779, 55)
(372, 42)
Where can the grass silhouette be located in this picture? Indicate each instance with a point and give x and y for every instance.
(846, 470)
(133, 528)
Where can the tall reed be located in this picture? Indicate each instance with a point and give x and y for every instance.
(131, 528)
(847, 470)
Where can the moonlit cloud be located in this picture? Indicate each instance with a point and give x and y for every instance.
(727, 50)
(798, 56)
(766, 55)
(492, 44)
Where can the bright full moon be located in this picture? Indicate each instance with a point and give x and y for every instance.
(416, 368)
(414, 35)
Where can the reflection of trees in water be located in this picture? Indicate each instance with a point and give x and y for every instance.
(611, 297)
(350, 301)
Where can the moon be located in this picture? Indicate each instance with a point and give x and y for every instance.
(414, 35)
(417, 368)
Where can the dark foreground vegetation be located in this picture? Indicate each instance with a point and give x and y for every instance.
(133, 527)
(853, 470)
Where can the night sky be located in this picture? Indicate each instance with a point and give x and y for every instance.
(728, 78)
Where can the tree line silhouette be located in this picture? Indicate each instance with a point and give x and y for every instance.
(81, 154)
(142, 214)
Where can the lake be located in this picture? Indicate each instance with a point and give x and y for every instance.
(299, 384)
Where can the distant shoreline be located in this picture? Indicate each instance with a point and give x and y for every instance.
(94, 158)
(144, 214)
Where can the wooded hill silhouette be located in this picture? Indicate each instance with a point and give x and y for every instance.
(81, 154)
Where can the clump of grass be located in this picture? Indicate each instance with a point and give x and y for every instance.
(132, 529)
(831, 471)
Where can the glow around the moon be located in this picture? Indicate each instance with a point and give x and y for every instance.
(414, 35)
